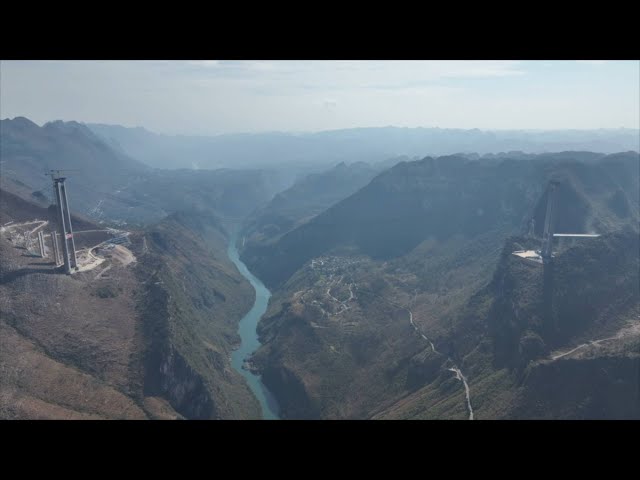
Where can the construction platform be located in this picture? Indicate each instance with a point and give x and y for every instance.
(529, 255)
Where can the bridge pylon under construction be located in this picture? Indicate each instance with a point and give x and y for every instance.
(65, 228)
(545, 254)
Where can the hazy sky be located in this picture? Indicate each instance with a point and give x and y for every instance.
(211, 97)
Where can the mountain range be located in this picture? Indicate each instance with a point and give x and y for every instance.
(299, 152)
(388, 253)
(385, 301)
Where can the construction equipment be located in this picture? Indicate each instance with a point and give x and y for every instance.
(58, 173)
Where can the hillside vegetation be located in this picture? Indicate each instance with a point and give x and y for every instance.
(148, 339)
(304, 200)
(378, 300)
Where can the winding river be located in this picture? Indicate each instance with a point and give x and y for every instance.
(249, 336)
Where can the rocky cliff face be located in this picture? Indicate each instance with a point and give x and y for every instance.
(588, 288)
(182, 386)
(603, 387)
(191, 301)
(298, 403)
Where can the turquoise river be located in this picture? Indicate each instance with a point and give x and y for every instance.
(249, 336)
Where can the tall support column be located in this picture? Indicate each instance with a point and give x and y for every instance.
(63, 236)
(41, 243)
(54, 243)
(547, 238)
(74, 261)
(27, 242)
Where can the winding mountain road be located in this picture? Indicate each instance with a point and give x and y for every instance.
(459, 375)
(632, 329)
(462, 378)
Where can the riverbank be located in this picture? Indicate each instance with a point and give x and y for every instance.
(249, 336)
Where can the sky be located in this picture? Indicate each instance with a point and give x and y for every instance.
(210, 97)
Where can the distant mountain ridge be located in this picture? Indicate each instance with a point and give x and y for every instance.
(308, 197)
(351, 145)
(441, 197)
(108, 184)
